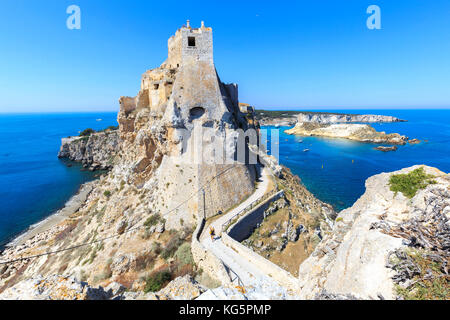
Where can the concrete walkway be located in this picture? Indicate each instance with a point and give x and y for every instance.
(257, 284)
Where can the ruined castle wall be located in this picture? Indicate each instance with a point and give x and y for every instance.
(226, 190)
(203, 49)
(240, 228)
(174, 56)
(186, 93)
(232, 89)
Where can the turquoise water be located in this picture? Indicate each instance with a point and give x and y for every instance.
(341, 182)
(33, 181)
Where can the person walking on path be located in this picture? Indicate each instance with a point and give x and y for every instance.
(212, 233)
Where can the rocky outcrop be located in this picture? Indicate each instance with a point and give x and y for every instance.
(181, 288)
(386, 149)
(57, 287)
(278, 122)
(54, 287)
(354, 259)
(414, 141)
(357, 132)
(96, 151)
(268, 161)
(319, 117)
(292, 225)
(148, 203)
(165, 131)
(290, 118)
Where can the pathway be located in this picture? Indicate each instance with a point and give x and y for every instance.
(256, 283)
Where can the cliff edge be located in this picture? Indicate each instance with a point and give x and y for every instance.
(387, 245)
(95, 151)
(135, 225)
(323, 117)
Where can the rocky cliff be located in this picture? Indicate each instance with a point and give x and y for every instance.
(357, 132)
(96, 151)
(320, 117)
(58, 287)
(279, 122)
(135, 226)
(292, 226)
(387, 245)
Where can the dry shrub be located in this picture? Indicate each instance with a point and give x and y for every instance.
(126, 279)
(63, 268)
(69, 228)
(15, 278)
(145, 261)
(183, 270)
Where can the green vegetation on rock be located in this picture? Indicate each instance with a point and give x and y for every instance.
(157, 280)
(411, 182)
(183, 254)
(87, 132)
(153, 220)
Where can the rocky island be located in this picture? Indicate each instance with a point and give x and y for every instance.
(328, 117)
(290, 118)
(356, 132)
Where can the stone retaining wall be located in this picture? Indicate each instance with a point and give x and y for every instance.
(205, 260)
(242, 228)
(269, 268)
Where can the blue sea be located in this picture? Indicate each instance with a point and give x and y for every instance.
(335, 170)
(34, 183)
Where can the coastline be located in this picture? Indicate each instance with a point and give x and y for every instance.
(69, 208)
(351, 131)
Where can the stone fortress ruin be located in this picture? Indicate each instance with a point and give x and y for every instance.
(182, 104)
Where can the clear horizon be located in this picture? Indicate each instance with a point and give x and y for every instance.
(267, 109)
(318, 55)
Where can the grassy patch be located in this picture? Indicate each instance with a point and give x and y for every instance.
(157, 280)
(145, 261)
(153, 220)
(410, 183)
(110, 128)
(171, 247)
(183, 254)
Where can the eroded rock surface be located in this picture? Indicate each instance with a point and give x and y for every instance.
(96, 151)
(320, 117)
(357, 132)
(354, 258)
(148, 203)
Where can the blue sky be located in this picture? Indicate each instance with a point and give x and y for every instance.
(313, 54)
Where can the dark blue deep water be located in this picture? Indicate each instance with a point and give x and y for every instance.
(33, 181)
(341, 182)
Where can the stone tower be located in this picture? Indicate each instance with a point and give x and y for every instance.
(190, 44)
(182, 95)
